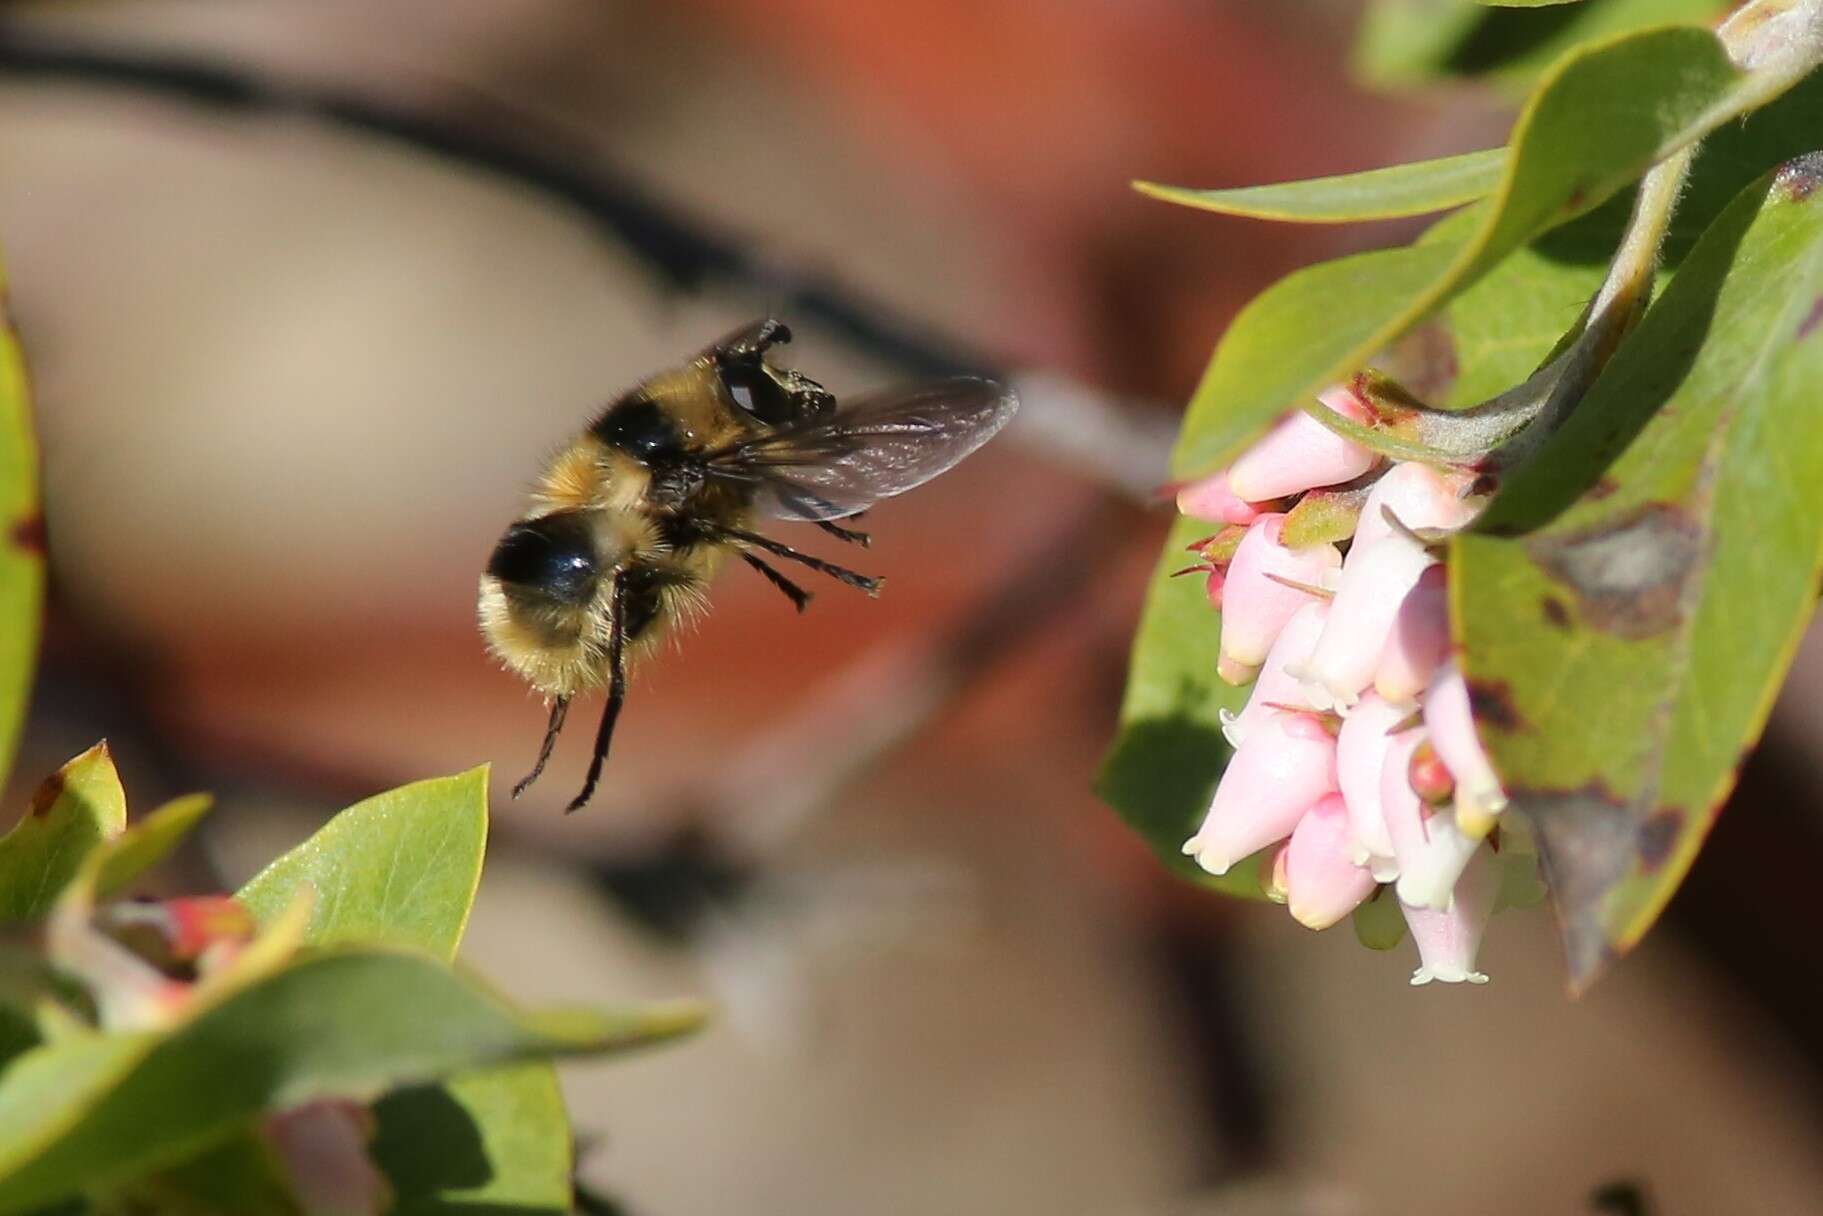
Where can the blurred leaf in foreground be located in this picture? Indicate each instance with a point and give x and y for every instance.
(77, 809)
(21, 544)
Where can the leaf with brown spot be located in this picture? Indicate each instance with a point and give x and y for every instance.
(1675, 517)
(21, 544)
(78, 808)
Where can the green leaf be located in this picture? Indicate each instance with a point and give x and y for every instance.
(149, 841)
(78, 808)
(1625, 625)
(1169, 753)
(96, 1111)
(241, 1177)
(1597, 122)
(1378, 194)
(497, 1141)
(21, 544)
(400, 868)
(1413, 42)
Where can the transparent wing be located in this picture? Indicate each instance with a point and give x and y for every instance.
(877, 447)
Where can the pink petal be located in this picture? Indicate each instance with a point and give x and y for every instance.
(1322, 885)
(1479, 797)
(1255, 605)
(1211, 499)
(1375, 582)
(1277, 685)
(1419, 640)
(1449, 939)
(1301, 454)
(1419, 497)
(1360, 757)
(1431, 850)
(1287, 763)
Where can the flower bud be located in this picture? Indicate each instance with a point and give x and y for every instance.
(1322, 885)
(1278, 686)
(1431, 781)
(322, 1147)
(1360, 758)
(1479, 798)
(1211, 499)
(1449, 939)
(1287, 763)
(1374, 584)
(1301, 453)
(1418, 496)
(1430, 849)
(1419, 641)
(1256, 605)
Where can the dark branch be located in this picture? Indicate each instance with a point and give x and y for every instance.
(687, 253)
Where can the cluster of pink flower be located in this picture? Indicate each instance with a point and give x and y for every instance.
(1356, 758)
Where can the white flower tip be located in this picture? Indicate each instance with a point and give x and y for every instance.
(1206, 856)
(1232, 730)
(1341, 696)
(1425, 975)
(1316, 918)
(1384, 869)
(1235, 672)
(1315, 692)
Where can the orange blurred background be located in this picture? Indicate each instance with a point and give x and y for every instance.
(293, 380)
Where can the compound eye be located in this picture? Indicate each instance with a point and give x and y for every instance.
(755, 392)
(552, 556)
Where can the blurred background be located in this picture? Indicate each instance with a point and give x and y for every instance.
(309, 287)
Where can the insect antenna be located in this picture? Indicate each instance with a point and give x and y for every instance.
(796, 594)
(559, 709)
(841, 574)
(617, 693)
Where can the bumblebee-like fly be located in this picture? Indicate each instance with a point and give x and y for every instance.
(634, 516)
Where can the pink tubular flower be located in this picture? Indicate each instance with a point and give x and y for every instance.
(1375, 582)
(1430, 848)
(1479, 797)
(1256, 603)
(1301, 453)
(1360, 758)
(1449, 939)
(1211, 499)
(1278, 684)
(1418, 496)
(1286, 765)
(1322, 885)
(1419, 641)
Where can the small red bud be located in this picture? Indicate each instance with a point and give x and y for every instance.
(1430, 780)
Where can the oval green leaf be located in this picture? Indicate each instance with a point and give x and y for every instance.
(1169, 752)
(1378, 194)
(96, 1111)
(78, 808)
(1599, 119)
(1631, 601)
(400, 868)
